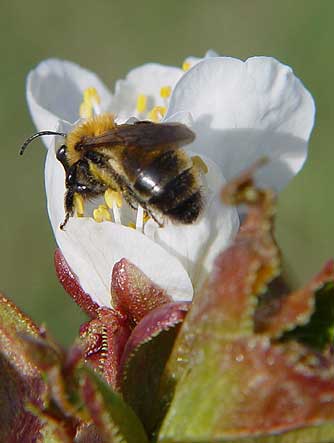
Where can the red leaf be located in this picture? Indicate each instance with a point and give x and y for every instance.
(144, 359)
(160, 319)
(71, 285)
(104, 339)
(133, 292)
(294, 309)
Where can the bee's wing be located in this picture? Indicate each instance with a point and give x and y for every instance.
(144, 134)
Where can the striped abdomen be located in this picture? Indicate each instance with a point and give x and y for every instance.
(170, 184)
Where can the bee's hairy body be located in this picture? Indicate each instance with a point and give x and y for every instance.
(143, 161)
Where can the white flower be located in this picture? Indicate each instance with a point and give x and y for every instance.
(238, 110)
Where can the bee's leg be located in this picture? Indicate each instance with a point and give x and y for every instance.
(69, 201)
(143, 206)
(151, 214)
(62, 225)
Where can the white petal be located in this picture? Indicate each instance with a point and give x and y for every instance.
(55, 179)
(54, 92)
(244, 110)
(197, 245)
(147, 80)
(180, 117)
(194, 60)
(91, 249)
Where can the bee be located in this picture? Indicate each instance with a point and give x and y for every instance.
(144, 161)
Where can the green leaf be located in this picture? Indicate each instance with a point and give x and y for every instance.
(87, 433)
(144, 359)
(21, 381)
(115, 420)
(250, 390)
(319, 331)
(323, 433)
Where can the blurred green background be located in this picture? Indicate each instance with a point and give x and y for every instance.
(111, 37)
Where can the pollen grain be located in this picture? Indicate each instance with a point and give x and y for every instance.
(165, 91)
(101, 213)
(156, 113)
(112, 197)
(199, 163)
(141, 103)
(79, 205)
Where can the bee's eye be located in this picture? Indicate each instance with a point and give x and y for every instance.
(81, 188)
(71, 177)
(61, 154)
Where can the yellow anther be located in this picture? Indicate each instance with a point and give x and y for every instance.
(141, 103)
(200, 164)
(78, 203)
(186, 66)
(146, 217)
(157, 113)
(101, 214)
(90, 102)
(86, 110)
(165, 91)
(111, 197)
(132, 225)
(91, 95)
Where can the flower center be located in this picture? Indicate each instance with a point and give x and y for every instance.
(157, 111)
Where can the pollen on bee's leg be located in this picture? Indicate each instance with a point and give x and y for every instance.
(114, 201)
(141, 105)
(101, 213)
(140, 218)
(90, 103)
(156, 113)
(78, 203)
(200, 164)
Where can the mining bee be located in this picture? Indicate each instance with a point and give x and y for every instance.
(143, 161)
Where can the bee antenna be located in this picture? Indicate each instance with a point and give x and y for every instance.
(39, 134)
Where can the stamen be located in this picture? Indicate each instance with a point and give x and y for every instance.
(165, 91)
(90, 95)
(140, 218)
(132, 225)
(101, 214)
(200, 164)
(91, 102)
(157, 113)
(111, 196)
(146, 217)
(141, 103)
(86, 110)
(114, 201)
(78, 203)
(186, 66)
